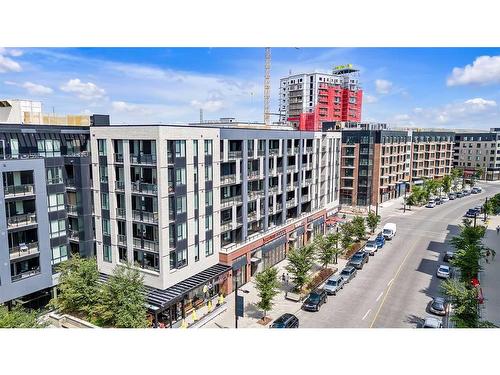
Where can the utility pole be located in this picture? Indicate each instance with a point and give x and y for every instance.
(475, 216)
(484, 208)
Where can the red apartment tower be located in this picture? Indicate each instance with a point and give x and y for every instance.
(307, 100)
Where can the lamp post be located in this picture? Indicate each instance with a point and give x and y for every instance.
(484, 208)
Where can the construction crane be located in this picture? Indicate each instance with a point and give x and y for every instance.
(267, 87)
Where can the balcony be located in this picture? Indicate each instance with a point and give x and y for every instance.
(226, 226)
(289, 151)
(228, 179)
(290, 168)
(120, 185)
(273, 189)
(261, 152)
(23, 220)
(274, 151)
(121, 213)
(146, 245)
(19, 190)
(144, 188)
(306, 181)
(23, 250)
(252, 216)
(73, 235)
(122, 239)
(72, 209)
(309, 150)
(143, 159)
(279, 169)
(232, 155)
(290, 203)
(118, 158)
(253, 175)
(146, 217)
(26, 274)
(226, 202)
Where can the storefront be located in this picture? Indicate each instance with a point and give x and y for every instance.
(296, 238)
(256, 264)
(318, 226)
(274, 252)
(239, 271)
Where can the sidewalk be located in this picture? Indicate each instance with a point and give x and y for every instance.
(490, 276)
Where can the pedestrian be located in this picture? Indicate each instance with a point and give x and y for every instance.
(210, 289)
(498, 229)
(283, 278)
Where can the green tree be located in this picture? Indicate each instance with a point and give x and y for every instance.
(347, 233)
(372, 220)
(324, 250)
(464, 300)
(300, 262)
(333, 240)
(359, 228)
(78, 286)
(446, 183)
(19, 317)
(267, 286)
(122, 301)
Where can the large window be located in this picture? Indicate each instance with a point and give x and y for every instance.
(181, 232)
(196, 202)
(180, 149)
(55, 202)
(208, 147)
(180, 176)
(181, 258)
(209, 247)
(105, 201)
(101, 147)
(196, 226)
(208, 222)
(14, 148)
(208, 173)
(106, 227)
(59, 254)
(209, 198)
(106, 253)
(147, 260)
(54, 175)
(49, 147)
(180, 205)
(103, 173)
(195, 147)
(57, 228)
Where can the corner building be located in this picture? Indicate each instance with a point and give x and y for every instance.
(195, 205)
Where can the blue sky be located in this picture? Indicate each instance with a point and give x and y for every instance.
(425, 87)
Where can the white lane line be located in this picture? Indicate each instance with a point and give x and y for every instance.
(364, 317)
(380, 295)
(390, 282)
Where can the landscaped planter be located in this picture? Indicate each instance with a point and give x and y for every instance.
(319, 278)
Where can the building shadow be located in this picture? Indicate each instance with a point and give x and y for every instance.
(416, 320)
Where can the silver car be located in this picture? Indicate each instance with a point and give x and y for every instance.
(432, 322)
(334, 284)
(443, 272)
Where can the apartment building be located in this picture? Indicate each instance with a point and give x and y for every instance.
(431, 155)
(207, 204)
(474, 151)
(308, 100)
(47, 207)
(375, 166)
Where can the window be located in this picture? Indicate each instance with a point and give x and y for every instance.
(122, 254)
(195, 147)
(14, 148)
(106, 228)
(181, 232)
(208, 147)
(208, 173)
(180, 149)
(55, 202)
(180, 205)
(49, 147)
(196, 252)
(57, 228)
(180, 176)
(147, 260)
(105, 201)
(59, 254)
(209, 247)
(196, 226)
(208, 198)
(181, 258)
(106, 253)
(101, 147)
(196, 201)
(54, 175)
(208, 222)
(103, 173)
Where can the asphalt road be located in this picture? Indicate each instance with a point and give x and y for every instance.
(394, 288)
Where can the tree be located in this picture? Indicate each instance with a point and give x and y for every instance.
(446, 183)
(333, 240)
(464, 300)
(19, 317)
(300, 262)
(324, 250)
(122, 301)
(372, 220)
(346, 235)
(358, 227)
(268, 287)
(78, 286)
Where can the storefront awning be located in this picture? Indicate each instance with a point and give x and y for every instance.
(158, 299)
(255, 260)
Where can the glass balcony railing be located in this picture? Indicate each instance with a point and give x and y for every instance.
(21, 220)
(15, 190)
(140, 187)
(142, 159)
(23, 249)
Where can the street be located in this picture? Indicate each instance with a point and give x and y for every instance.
(395, 287)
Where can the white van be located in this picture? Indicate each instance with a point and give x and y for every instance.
(389, 231)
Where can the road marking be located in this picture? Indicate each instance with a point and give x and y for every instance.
(390, 286)
(380, 295)
(364, 317)
(390, 282)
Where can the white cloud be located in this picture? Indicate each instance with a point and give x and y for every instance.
(480, 103)
(383, 86)
(367, 98)
(402, 117)
(6, 63)
(483, 71)
(32, 88)
(121, 106)
(86, 91)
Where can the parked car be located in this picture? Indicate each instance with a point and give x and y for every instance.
(479, 209)
(475, 190)
(370, 247)
(443, 272)
(334, 284)
(448, 256)
(358, 260)
(389, 231)
(479, 189)
(286, 321)
(460, 194)
(465, 192)
(452, 196)
(315, 299)
(445, 198)
(348, 273)
(438, 306)
(380, 240)
(471, 212)
(432, 322)
(430, 204)
(438, 201)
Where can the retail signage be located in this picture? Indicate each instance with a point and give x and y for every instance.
(277, 234)
(340, 67)
(240, 306)
(298, 225)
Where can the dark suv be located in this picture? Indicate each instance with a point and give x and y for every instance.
(348, 273)
(358, 260)
(286, 321)
(315, 300)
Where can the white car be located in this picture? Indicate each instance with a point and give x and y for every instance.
(445, 198)
(370, 247)
(443, 272)
(432, 322)
(431, 204)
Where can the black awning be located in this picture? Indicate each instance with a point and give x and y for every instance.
(158, 299)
